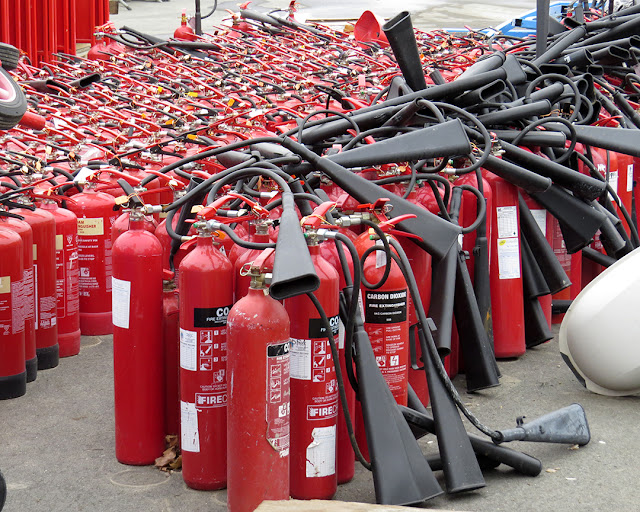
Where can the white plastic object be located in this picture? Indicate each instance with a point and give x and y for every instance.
(599, 335)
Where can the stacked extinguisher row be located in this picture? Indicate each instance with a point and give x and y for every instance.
(42, 28)
(314, 242)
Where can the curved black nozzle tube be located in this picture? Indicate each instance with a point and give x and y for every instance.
(401, 37)
(567, 425)
(508, 115)
(533, 138)
(437, 235)
(417, 416)
(481, 94)
(518, 176)
(482, 65)
(580, 184)
(556, 49)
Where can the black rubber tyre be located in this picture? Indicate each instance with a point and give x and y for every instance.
(13, 103)
(3, 491)
(9, 56)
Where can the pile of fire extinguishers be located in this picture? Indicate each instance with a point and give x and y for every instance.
(303, 225)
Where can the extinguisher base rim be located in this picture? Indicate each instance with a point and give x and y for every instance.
(32, 369)
(48, 357)
(13, 386)
(69, 343)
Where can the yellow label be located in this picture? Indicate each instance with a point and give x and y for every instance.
(91, 227)
(5, 284)
(192, 94)
(59, 242)
(35, 252)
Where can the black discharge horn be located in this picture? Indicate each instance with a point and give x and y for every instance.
(399, 32)
(293, 270)
(567, 425)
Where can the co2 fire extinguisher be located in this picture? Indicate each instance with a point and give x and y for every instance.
(385, 309)
(314, 390)
(138, 358)
(13, 377)
(505, 270)
(206, 295)
(258, 345)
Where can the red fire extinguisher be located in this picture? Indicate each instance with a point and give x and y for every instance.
(259, 407)
(314, 390)
(346, 457)
(95, 218)
(67, 278)
(13, 377)
(138, 358)
(44, 263)
(28, 292)
(385, 310)
(206, 295)
(505, 270)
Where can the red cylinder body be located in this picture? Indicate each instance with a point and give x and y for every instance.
(206, 296)
(505, 270)
(44, 264)
(258, 420)
(314, 390)
(13, 377)
(171, 341)
(387, 327)
(28, 292)
(138, 358)
(67, 279)
(95, 218)
(345, 456)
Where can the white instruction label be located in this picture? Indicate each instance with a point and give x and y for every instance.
(381, 256)
(507, 221)
(508, 258)
(188, 345)
(190, 439)
(321, 453)
(613, 181)
(121, 302)
(300, 359)
(340, 335)
(629, 177)
(540, 216)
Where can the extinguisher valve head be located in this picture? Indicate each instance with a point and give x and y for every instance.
(349, 220)
(152, 208)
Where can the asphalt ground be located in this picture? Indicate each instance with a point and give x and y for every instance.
(57, 441)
